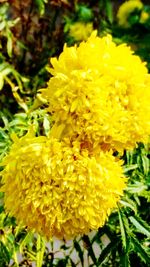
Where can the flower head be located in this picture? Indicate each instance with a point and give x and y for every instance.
(81, 31)
(125, 11)
(57, 188)
(99, 93)
(144, 16)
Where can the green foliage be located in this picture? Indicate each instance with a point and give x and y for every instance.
(41, 5)
(5, 27)
(83, 13)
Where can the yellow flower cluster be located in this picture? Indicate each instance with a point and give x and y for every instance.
(57, 188)
(81, 31)
(127, 8)
(68, 183)
(100, 93)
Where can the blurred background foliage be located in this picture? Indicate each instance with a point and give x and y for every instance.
(31, 32)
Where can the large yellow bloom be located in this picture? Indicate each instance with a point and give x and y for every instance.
(125, 11)
(100, 93)
(58, 188)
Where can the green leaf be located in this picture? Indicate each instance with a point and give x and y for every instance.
(72, 263)
(4, 255)
(136, 188)
(122, 229)
(124, 260)
(9, 43)
(2, 25)
(107, 250)
(109, 10)
(139, 226)
(1, 81)
(40, 251)
(138, 248)
(46, 124)
(41, 5)
(89, 248)
(130, 167)
(129, 203)
(145, 163)
(79, 251)
(25, 241)
(84, 13)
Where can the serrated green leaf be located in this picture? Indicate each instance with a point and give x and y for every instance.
(140, 251)
(136, 188)
(139, 226)
(130, 204)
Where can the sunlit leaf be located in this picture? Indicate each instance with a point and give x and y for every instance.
(138, 224)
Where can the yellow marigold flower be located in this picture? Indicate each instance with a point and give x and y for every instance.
(126, 9)
(57, 188)
(81, 31)
(100, 93)
(144, 16)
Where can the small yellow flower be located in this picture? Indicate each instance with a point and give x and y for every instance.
(57, 188)
(99, 93)
(80, 31)
(126, 9)
(144, 16)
